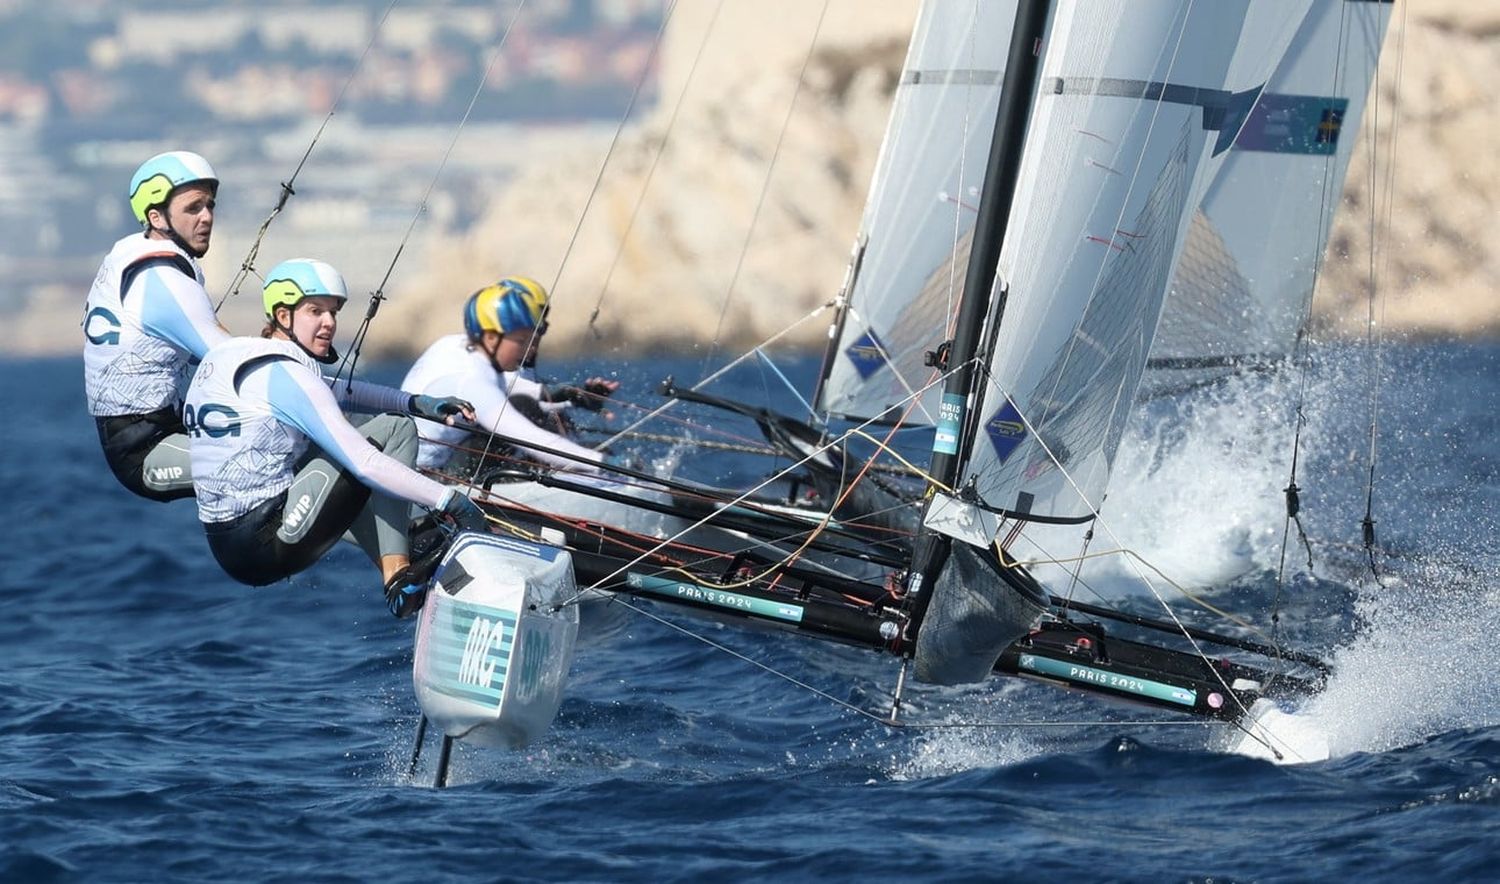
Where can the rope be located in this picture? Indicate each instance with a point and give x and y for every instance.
(377, 296)
(247, 266)
(880, 718)
(765, 187)
(651, 172)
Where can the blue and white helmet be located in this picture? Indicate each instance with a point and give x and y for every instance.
(153, 183)
(292, 280)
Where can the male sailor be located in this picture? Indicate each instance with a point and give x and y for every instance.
(146, 320)
(503, 324)
(279, 471)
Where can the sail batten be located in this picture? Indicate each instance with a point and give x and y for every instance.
(1137, 103)
(953, 77)
(920, 215)
(1242, 290)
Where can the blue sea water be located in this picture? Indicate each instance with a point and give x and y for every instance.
(161, 722)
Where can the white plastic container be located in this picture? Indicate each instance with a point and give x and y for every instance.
(493, 645)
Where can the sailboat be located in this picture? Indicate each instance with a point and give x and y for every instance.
(1076, 201)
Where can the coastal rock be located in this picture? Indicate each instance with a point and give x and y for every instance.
(726, 215)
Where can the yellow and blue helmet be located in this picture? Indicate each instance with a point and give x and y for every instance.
(292, 280)
(153, 183)
(515, 303)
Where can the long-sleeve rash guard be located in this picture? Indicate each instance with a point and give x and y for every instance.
(253, 407)
(450, 368)
(365, 396)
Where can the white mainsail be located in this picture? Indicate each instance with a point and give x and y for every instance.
(1245, 280)
(1136, 106)
(913, 240)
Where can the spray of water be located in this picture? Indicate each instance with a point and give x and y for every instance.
(1423, 664)
(1421, 652)
(1198, 486)
(1198, 491)
(942, 753)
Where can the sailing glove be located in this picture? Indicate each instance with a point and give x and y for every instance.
(466, 513)
(436, 408)
(590, 396)
(405, 593)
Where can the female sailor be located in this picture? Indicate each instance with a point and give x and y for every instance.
(281, 474)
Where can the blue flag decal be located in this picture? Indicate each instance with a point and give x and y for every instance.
(867, 354)
(1006, 430)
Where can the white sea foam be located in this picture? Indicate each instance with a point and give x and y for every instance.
(1197, 491)
(1198, 488)
(1424, 664)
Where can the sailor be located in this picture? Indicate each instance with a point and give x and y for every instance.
(147, 319)
(279, 471)
(489, 365)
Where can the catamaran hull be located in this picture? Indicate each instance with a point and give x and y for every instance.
(652, 515)
(495, 640)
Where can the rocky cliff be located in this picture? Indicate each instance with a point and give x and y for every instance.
(726, 215)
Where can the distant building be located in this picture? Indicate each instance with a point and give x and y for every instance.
(165, 36)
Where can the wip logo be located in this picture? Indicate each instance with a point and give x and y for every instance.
(225, 420)
(164, 475)
(298, 512)
(102, 327)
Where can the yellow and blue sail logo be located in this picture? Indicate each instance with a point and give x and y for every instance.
(867, 354)
(1305, 124)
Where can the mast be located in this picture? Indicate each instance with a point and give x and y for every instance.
(1000, 177)
(951, 443)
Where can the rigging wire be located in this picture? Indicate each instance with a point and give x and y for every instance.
(247, 266)
(635, 94)
(614, 141)
(376, 297)
(880, 718)
(1302, 357)
(723, 370)
(1075, 578)
(1367, 525)
(661, 150)
(786, 382)
(765, 187)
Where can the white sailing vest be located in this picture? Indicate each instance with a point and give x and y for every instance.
(125, 370)
(242, 455)
(441, 371)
